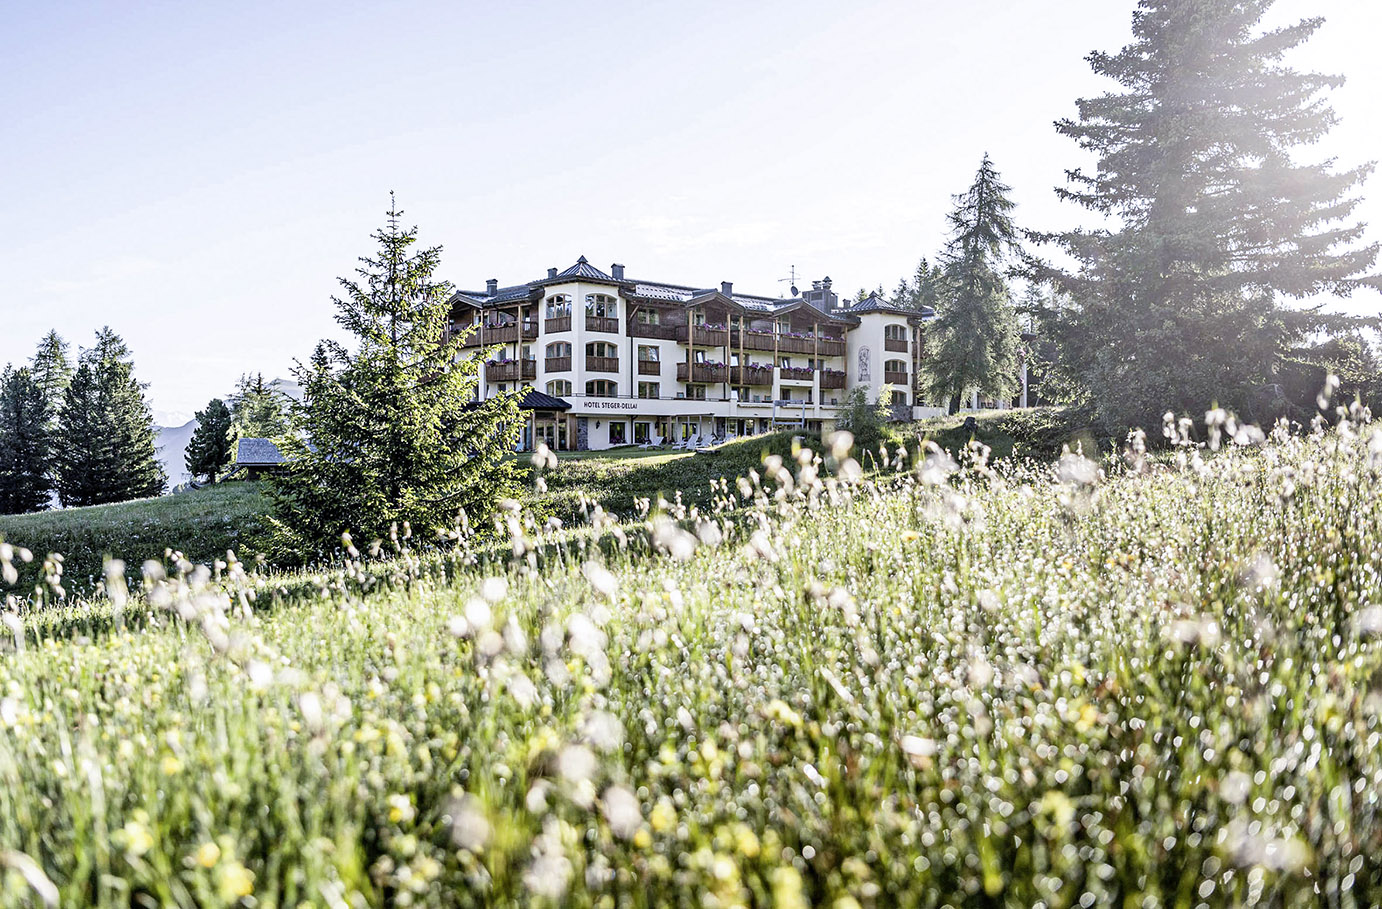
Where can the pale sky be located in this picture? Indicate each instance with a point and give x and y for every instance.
(196, 175)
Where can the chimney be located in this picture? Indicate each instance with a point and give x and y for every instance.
(492, 286)
(617, 271)
(727, 288)
(551, 273)
(825, 284)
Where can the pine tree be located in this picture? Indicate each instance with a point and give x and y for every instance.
(24, 443)
(972, 344)
(395, 434)
(1179, 302)
(209, 449)
(259, 411)
(105, 443)
(52, 370)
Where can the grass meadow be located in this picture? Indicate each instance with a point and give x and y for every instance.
(1151, 682)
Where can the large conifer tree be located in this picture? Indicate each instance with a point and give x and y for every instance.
(105, 446)
(390, 432)
(972, 344)
(209, 449)
(258, 410)
(25, 484)
(1178, 303)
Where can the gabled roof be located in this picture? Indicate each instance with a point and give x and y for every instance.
(585, 271)
(536, 400)
(257, 453)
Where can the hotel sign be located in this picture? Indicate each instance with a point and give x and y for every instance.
(611, 405)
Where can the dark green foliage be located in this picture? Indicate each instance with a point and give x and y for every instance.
(1178, 304)
(972, 344)
(258, 411)
(104, 448)
(923, 290)
(25, 442)
(52, 370)
(209, 449)
(201, 524)
(866, 422)
(1040, 433)
(396, 436)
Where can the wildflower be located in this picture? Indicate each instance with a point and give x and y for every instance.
(603, 730)
(236, 881)
(207, 854)
(401, 809)
(470, 828)
(135, 838)
(28, 869)
(663, 816)
(622, 811)
(577, 763)
(600, 578)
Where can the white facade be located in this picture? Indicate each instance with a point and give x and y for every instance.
(649, 361)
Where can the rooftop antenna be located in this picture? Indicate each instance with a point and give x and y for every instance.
(792, 279)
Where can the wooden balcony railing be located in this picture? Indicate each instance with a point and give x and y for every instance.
(529, 330)
(897, 345)
(752, 340)
(601, 323)
(832, 378)
(896, 379)
(649, 368)
(703, 337)
(751, 375)
(557, 323)
(510, 370)
(558, 364)
(832, 347)
(639, 329)
(787, 344)
(702, 372)
(601, 364)
(798, 373)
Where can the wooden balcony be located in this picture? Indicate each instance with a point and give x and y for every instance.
(702, 336)
(558, 364)
(895, 379)
(601, 364)
(832, 347)
(559, 323)
(832, 378)
(790, 345)
(798, 373)
(639, 329)
(602, 323)
(529, 330)
(702, 372)
(752, 340)
(897, 345)
(649, 368)
(510, 370)
(751, 375)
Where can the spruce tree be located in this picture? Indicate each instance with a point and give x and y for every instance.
(258, 410)
(209, 449)
(105, 443)
(972, 344)
(24, 443)
(51, 368)
(395, 434)
(1179, 301)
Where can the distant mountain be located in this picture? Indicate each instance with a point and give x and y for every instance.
(172, 442)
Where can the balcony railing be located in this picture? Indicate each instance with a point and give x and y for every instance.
(557, 323)
(649, 368)
(558, 364)
(897, 345)
(898, 379)
(702, 372)
(789, 344)
(510, 370)
(751, 375)
(752, 340)
(529, 330)
(639, 329)
(832, 347)
(702, 336)
(832, 378)
(601, 323)
(798, 373)
(601, 364)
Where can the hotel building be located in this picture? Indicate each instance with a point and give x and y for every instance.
(608, 360)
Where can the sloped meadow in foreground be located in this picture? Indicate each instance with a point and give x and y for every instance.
(1028, 685)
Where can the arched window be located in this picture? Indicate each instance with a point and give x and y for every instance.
(601, 388)
(601, 349)
(895, 332)
(559, 388)
(558, 305)
(559, 349)
(602, 306)
(895, 366)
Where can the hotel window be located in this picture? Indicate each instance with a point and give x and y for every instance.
(695, 392)
(743, 393)
(602, 306)
(601, 349)
(785, 362)
(895, 333)
(558, 305)
(698, 317)
(699, 356)
(559, 349)
(895, 366)
(559, 388)
(642, 433)
(649, 390)
(647, 353)
(617, 433)
(601, 388)
(649, 317)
